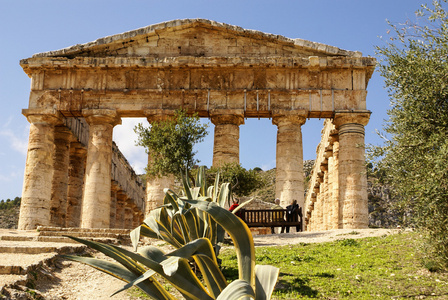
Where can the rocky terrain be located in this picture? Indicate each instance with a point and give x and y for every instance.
(9, 217)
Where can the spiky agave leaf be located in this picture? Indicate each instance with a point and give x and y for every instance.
(149, 286)
(265, 279)
(176, 271)
(240, 234)
(204, 254)
(236, 290)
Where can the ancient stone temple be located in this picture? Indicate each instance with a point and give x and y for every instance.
(222, 72)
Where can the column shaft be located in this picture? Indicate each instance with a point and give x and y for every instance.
(36, 194)
(352, 172)
(156, 184)
(60, 176)
(226, 145)
(96, 199)
(75, 184)
(289, 172)
(120, 210)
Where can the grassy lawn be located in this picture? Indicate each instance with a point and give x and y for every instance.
(386, 267)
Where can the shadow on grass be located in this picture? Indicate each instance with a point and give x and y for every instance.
(296, 285)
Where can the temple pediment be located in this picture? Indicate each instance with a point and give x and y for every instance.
(197, 38)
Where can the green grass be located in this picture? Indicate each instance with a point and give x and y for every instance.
(372, 268)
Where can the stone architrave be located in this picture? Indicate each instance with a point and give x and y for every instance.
(75, 184)
(62, 138)
(289, 184)
(226, 147)
(352, 171)
(96, 199)
(36, 194)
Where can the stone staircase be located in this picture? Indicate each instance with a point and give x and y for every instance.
(26, 256)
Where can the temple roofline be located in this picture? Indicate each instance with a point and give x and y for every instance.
(185, 23)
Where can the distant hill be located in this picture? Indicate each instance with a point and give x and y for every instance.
(9, 213)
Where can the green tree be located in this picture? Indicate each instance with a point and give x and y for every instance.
(243, 182)
(414, 64)
(170, 143)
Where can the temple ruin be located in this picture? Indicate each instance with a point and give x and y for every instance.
(75, 177)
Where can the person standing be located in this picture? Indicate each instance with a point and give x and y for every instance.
(292, 214)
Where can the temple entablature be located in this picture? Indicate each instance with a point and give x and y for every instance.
(218, 71)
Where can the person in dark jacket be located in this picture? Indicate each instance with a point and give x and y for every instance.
(292, 214)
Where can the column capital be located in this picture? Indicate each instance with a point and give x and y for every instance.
(227, 116)
(347, 117)
(289, 116)
(157, 115)
(41, 115)
(100, 116)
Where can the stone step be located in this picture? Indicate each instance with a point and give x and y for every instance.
(11, 263)
(10, 279)
(83, 234)
(93, 230)
(63, 239)
(17, 238)
(35, 247)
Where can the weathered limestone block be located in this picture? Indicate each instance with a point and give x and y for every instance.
(289, 173)
(62, 138)
(75, 184)
(226, 147)
(154, 191)
(36, 194)
(352, 172)
(96, 199)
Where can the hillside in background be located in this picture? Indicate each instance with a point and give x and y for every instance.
(9, 213)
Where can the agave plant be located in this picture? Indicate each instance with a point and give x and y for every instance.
(178, 223)
(191, 224)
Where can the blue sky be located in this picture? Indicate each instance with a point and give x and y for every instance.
(29, 27)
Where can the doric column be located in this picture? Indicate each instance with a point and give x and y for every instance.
(113, 206)
(136, 218)
(333, 164)
(96, 199)
(36, 193)
(289, 172)
(352, 171)
(156, 184)
(154, 190)
(76, 173)
(62, 138)
(226, 147)
(326, 208)
(120, 213)
(128, 217)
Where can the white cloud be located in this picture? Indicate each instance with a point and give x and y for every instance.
(125, 137)
(269, 165)
(16, 140)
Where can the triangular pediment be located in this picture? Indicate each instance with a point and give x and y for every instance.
(198, 38)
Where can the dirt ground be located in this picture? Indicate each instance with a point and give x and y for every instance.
(71, 280)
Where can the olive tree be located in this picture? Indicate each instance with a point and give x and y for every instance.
(170, 143)
(414, 156)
